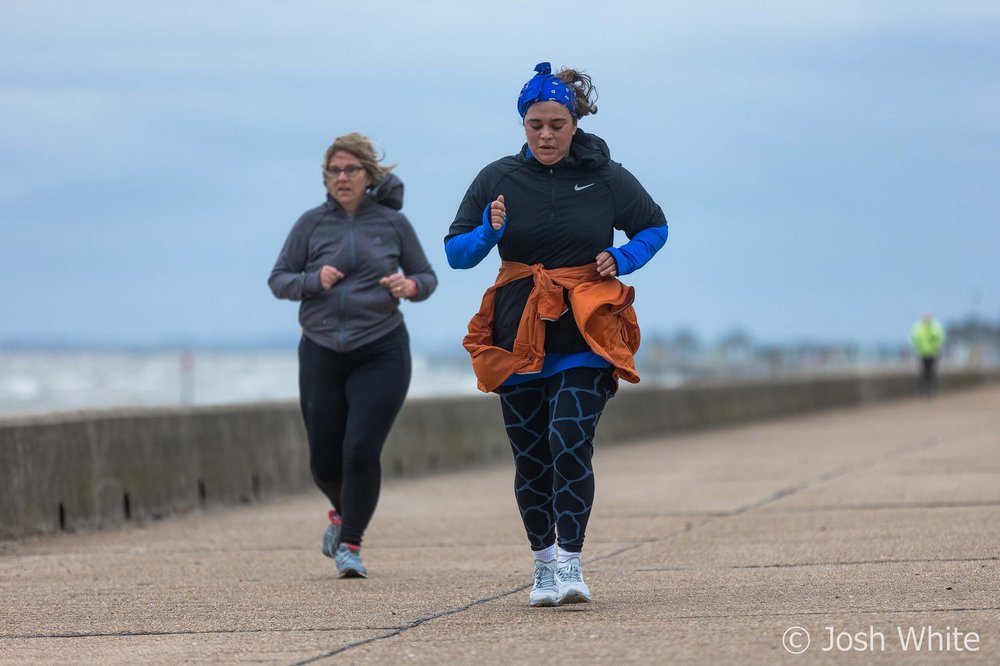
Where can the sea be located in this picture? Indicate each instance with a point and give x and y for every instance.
(39, 382)
(44, 381)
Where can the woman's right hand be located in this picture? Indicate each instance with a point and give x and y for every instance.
(329, 276)
(497, 213)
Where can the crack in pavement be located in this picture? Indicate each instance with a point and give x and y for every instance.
(889, 506)
(837, 563)
(862, 611)
(182, 632)
(411, 625)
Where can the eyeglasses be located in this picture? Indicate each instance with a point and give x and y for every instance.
(351, 171)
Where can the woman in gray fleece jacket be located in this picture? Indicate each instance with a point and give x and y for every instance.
(349, 262)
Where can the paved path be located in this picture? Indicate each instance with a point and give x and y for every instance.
(703, 548)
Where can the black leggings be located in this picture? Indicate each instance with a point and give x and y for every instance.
(349, 402)
(550, 423)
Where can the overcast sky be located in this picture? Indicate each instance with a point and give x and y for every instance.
(829, 170)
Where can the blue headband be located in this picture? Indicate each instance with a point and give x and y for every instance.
(543, 87)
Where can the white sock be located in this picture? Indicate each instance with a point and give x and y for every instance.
(545, 555)
(565, 555)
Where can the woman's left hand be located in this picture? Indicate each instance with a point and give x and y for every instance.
(606, 265)
(399, 285)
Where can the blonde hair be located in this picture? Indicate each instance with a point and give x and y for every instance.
(361, 147)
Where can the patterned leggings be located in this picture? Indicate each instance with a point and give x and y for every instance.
(550, 423)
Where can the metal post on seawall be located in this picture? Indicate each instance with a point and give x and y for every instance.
(186, 362)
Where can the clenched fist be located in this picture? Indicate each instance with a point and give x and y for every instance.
(329, 276)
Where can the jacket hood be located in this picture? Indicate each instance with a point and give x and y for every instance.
(588, 151)
(388, 193)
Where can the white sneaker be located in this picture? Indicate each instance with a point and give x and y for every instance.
(545, 591)
(569, 577)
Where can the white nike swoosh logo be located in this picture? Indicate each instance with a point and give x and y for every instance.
(578, 187)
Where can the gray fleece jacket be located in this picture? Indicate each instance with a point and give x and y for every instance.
(376, 241)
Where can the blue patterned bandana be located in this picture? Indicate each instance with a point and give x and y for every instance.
(543, 87)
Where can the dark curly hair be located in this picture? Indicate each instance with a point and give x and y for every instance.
(586, 93)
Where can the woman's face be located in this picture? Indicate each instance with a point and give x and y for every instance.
(347, 188)
(549, 128)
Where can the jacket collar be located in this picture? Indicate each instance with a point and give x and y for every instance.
(587, 151)
(387, 193)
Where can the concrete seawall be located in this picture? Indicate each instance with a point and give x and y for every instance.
(102, 469)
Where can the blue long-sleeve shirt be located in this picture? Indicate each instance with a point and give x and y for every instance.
(469, 249)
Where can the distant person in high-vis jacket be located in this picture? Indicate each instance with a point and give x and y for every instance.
(927, 337)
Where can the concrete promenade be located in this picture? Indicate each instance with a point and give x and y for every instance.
(703, 548)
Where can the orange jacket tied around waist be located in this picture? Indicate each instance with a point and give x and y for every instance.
(602, 308)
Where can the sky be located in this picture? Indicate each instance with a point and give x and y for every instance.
(829, 170)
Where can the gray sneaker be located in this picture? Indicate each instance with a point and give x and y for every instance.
(545, 591)
(349, 562)
(569, 577)
(332, 534)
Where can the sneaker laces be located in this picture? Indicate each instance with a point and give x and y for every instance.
(570, 572)
(347, 555)
(545, 577)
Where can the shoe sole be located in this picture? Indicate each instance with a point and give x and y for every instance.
(573, 597)
(353, 573)
(543, 602)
